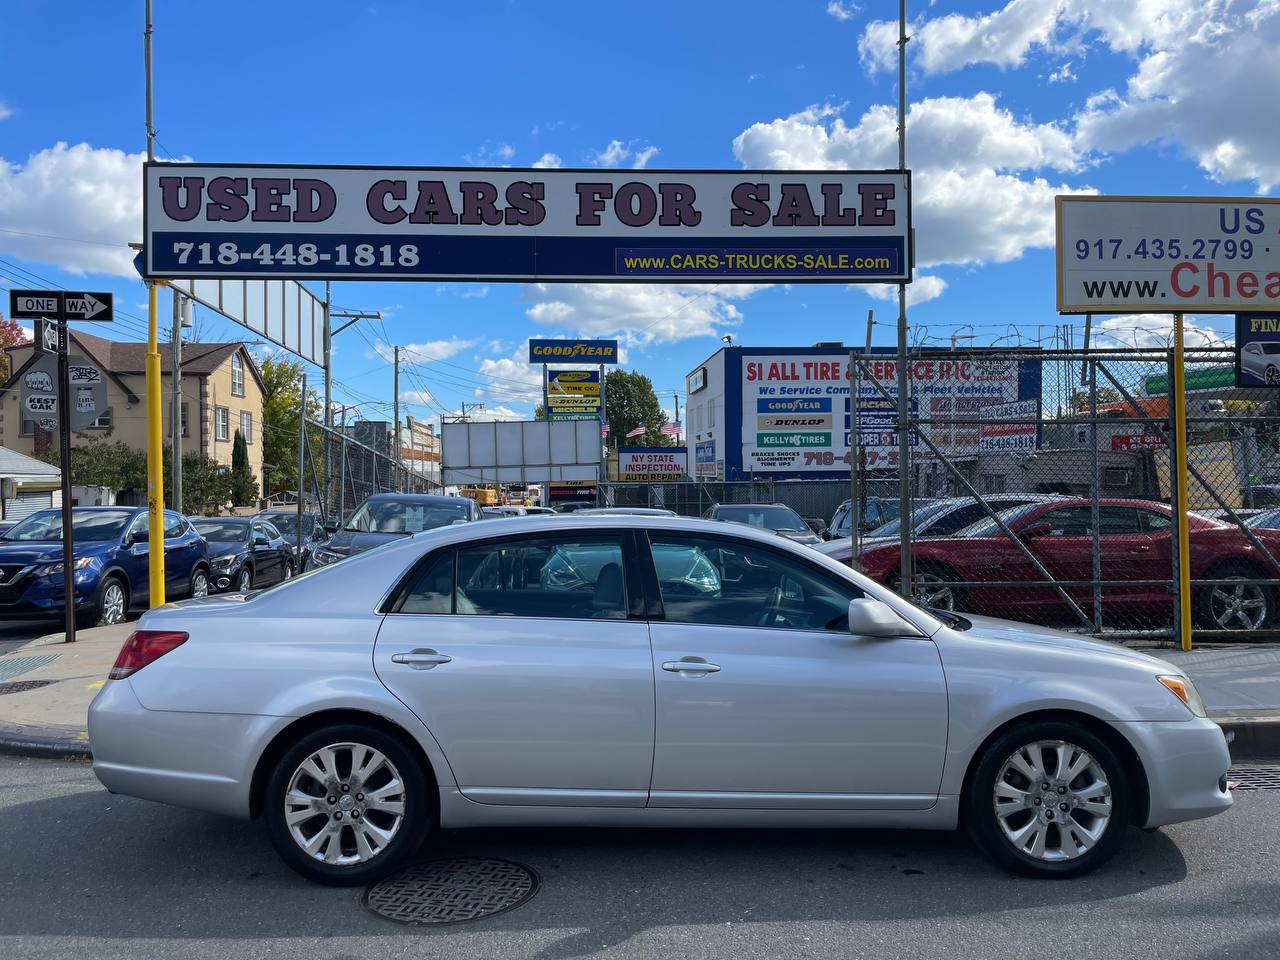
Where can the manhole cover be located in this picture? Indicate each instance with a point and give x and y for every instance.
(11, 667)
(450, 891)
(21, 686)
(1254, 778)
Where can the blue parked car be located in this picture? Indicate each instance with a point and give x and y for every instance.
(111, 563)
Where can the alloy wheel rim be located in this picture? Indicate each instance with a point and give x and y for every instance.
(1238, 604)
(1272, 376)
(932, 591)
(243, 581)
(200, 585)
(344, 804)
(113, 604)
(1052, 800)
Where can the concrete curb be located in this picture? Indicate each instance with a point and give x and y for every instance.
(20, 740)
(1255, 738)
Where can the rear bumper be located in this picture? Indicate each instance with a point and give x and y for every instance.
(203, 761)
(1186, 764)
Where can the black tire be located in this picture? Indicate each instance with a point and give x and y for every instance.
(1205, 609)
(98, 613)
(928, 569)
(196, 574)
(984, 826)
(288, 570)
(245, 577)
(416, 821)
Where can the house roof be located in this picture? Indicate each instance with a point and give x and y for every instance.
(15, 464)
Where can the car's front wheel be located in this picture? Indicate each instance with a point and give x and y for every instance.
(113, 601)
(199, 582)
(244, 580)
(347, 805)
(1048, 799)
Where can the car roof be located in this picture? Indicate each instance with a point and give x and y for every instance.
(417, 498)
(224, 519)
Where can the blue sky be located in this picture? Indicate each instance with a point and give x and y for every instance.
(1010, 104)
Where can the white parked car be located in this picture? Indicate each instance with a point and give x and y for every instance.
(624, 670)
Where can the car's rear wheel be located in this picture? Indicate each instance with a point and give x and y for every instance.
(932, 587)
(1048, 799)
(1238, 604)
(288, 570)
(113, 601)
(347, 805)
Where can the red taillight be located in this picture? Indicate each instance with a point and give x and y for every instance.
(142, 647)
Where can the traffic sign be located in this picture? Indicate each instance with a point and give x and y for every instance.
(86, 386)
(60, 305)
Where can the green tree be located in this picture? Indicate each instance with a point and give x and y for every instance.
(281, 398)
(629, 403)
(244, 489)
(102, 462)
(207, 485)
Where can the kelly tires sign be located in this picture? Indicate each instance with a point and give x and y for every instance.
(1167, 254)
(430, 223)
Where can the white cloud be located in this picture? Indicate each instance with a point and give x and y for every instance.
(423, 352)
(617, 153)
(842, 10)
(977, 196)
(419, 398)
(76, 207)
(640, 312)
(491, 155)
(511, 379)
(470, 292)
(1063, 74)
(1206, 93)
(6, 111)
(548, 161)
(499, 412)
(925, 287)
(1154, 330)
(1007, 36)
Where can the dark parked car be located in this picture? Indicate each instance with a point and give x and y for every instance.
(572, 506)
(389, 516)
(111, 569)
(777, 517)
(313, 531)
(245, 552)
(876, 513)
(1136, 544)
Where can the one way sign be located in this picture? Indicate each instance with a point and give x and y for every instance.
(58, 305)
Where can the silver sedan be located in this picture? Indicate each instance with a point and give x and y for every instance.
(624, 671)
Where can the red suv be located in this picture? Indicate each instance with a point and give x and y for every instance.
(1136, 545)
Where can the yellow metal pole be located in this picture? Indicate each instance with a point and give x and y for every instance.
(1178, 394)
(155, 456)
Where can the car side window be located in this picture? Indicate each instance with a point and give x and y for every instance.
(955, 520)
(270, 530)
(570, 578)
(707, 580)
(432, 589)
(174, 525)
(1066, 522)
(139, 527)
(1153, 522)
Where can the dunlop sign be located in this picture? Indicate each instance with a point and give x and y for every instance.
(573, 394)
(433, 223)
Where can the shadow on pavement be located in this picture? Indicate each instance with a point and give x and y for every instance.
(89, 864)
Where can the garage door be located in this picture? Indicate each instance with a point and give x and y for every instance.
(27, 503)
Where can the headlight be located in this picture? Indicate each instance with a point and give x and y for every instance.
(1182, 688)
(50, 569)
(224, 563)
(322, 555)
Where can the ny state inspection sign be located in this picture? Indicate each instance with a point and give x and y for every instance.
(420, 223)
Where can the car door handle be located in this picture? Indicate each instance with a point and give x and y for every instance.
(690, 665)
(1141, 548)
(421, 659)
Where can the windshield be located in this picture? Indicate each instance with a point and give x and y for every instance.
(987, 527)
(398, 516)
(1268, 519)
(763, 517)
(919, 515)
(286, 523)
(222, 531)
(93, 526)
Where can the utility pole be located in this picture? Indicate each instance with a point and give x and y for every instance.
(905, 583)
(397, 449)
(155, 431)
(175, 410)
(678, 424)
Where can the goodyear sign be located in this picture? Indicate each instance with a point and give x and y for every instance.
(565, 351)
(573, 394)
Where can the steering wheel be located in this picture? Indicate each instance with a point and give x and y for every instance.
(773, 607)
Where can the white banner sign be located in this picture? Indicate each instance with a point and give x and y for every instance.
(1016, 431)
(1168, 254)
(431, 223)
(653, 463)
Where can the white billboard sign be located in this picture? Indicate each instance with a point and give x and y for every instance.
(282, 311)
(1016, 430)
(653, 463)
(520, 451)
(1168, 254)
(433, 223)
(796, 415)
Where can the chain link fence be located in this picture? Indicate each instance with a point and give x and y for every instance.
(1058, 509)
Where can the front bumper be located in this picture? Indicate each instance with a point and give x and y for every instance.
(1186, 764)
(42, 597)
(203, 761)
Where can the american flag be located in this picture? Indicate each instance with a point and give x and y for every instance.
(637, 432)
(671, 429)
(604, 430)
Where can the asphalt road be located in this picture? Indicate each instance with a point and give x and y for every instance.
(15, 633)
(86, 874)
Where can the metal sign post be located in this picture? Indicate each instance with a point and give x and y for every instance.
(64, 459)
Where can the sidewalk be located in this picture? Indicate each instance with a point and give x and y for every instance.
(46, 687)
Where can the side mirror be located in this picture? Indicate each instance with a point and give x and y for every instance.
(1036, 530)
(138, 536)
(260, 540)
(875, 618)
(331, 526)
(818, 526)
(318, 533)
